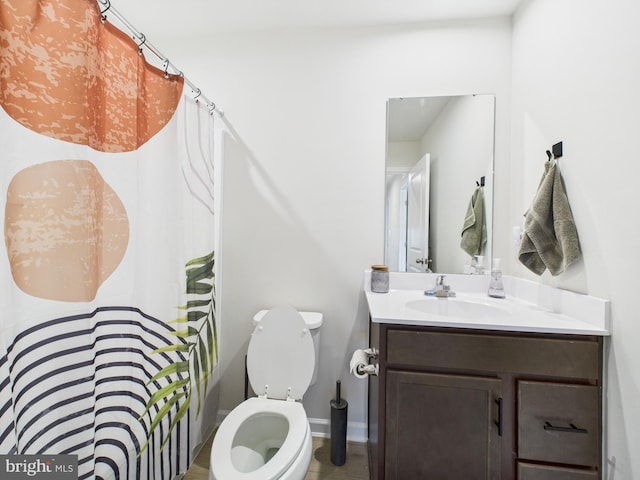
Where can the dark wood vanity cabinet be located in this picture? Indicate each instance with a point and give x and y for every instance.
(472, 404)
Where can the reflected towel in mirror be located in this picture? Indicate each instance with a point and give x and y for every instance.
(474, 229)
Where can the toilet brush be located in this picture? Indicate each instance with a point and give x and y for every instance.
(338, 429)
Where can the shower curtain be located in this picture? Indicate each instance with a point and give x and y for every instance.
(108, 329)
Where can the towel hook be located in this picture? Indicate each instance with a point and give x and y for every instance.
(557, 150)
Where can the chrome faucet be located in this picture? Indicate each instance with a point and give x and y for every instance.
(441, 289)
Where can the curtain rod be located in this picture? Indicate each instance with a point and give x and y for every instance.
(166, 64)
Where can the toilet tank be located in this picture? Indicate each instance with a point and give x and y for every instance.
(314, 322)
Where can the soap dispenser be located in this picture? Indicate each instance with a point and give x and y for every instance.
(496, 288)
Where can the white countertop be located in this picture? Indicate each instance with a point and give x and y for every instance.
(553, 311)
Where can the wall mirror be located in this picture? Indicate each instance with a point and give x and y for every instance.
(440, 151)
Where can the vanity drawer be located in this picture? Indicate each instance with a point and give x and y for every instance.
(527, 471)
(559, 423)
(516, 353)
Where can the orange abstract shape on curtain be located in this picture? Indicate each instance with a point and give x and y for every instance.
(65, 229)
(65, 74)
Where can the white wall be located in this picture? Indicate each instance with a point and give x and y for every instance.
(576, 72)
(304, 169)
(403, 155)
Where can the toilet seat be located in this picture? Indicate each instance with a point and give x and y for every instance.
(281, 355)
(269, 437)
(294, 441)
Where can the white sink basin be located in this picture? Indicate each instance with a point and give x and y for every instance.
(456, 307)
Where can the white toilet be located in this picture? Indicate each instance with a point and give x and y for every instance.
(269, 437)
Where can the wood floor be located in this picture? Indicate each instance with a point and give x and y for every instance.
(321, 468)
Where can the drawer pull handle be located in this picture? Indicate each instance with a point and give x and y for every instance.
(499, 421)
(570, 429)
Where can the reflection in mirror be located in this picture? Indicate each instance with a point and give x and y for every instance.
(439, 150)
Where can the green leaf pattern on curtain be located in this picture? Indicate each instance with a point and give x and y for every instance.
(198, 328)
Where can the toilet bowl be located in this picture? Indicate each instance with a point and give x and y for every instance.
(262, 439)
(268, 437)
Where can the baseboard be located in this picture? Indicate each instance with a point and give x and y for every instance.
(356, 431)
(321, 427)
(221, 416)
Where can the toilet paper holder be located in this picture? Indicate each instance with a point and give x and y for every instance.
(367, 369)
(370, 369)
(371, 352)
(360, 365)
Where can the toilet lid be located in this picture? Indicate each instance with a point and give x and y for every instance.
(281, 355)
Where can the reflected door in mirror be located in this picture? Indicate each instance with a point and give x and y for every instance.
(418, 216)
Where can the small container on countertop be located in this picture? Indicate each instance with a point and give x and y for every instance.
(380, 278)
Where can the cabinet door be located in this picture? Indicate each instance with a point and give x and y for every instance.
(442, 427)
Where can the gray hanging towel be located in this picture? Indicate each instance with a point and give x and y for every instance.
(550, 238)
(474, 228)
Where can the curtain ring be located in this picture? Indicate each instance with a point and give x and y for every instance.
(198, 93)
(143, 39)
(107, 4)
(166, 68)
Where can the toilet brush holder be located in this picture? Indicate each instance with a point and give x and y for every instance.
(338, 428)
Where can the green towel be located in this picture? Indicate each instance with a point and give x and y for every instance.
(474, 229)
(550, 239)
